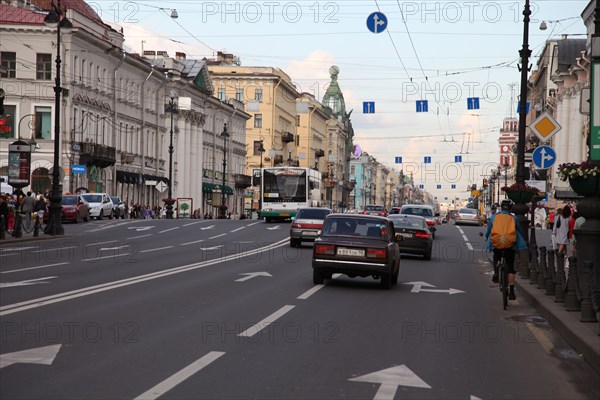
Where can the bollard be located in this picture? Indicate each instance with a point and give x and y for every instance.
(2, 228)
(534, 264)
(560, 281)
(571, 300)
(525, 260)
(587, 309)
(541, 282)
(551, 272)
(18, 232)
(36, 227)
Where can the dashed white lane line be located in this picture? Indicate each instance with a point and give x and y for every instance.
(194, 242)
(238, 229)
(254, 329)
(194, 223)
(314, 289)
(174, 380)
(99, 243)
(38, 267)
(103, 257)
(469, 246)
(170, 229)
(157, 249)
(214, 237)
(254, 223)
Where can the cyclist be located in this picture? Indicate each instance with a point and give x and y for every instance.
(509, 253)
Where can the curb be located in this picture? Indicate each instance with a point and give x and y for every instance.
(582, 336)
(26, 239)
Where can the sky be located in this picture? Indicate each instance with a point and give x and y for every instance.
(442, 51)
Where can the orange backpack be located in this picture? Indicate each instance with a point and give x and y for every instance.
(504, 232)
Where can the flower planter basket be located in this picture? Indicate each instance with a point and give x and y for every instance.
(589, 185)
(519, 196)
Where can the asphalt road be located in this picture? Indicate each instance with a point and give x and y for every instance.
(227, 310)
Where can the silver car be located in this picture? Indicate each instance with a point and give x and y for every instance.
(307, 225)
(467, 216)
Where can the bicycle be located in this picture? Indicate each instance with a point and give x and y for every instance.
(503, 279)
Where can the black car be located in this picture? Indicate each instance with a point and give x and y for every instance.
(416, 234)
(357, 245)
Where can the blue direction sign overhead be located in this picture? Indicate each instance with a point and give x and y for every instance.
(473, 103)
(452, 186)
(398, 160)
(368, 107)
(427, 160)
(422, 106)
(543, 157)
(457, 159)
(377, 22)
(439, 186)
(421, 186)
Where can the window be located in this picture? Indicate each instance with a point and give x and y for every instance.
(9, 64)
(43, 67)
(221, 95)
(258, 95)
(75, 68)
(43, 123)
(257, 144)
(298, 120)
(258, 120)
(352, 169)
(239, 94)
(7, 123)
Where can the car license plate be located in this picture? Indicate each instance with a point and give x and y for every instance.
(350, 252)
(309, 233)
(407, 235)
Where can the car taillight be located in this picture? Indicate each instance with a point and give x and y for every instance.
(364, 212)
(422, 235)
(376, 253)
(311, 226)
(430, 223)
(383, 214)
(295, 225)
(327, 249)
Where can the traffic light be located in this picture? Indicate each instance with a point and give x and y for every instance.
(484, 182)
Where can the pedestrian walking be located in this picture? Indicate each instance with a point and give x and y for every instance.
(560, 232)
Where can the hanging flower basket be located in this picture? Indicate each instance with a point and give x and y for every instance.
(584, 178)
(520, 193)
(588, 185)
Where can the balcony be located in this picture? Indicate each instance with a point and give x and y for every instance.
(287, 137)
(319, 153)
(97, 154)
(242, 181)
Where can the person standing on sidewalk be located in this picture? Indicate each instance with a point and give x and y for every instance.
(4, 211)
(28, 205)
(561, 230)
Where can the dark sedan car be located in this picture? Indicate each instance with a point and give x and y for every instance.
(307, 225)
(357, 245)
(415, 233)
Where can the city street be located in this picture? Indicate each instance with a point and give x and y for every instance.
(227, 309)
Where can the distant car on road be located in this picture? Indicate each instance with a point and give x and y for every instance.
(357, 245)
(372, 209)
(468, 216)
(425, 211)
(100, 205)
(73, 209)
(307, 225)
(417, 239)
(118, 207)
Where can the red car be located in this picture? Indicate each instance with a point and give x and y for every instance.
(75, 209)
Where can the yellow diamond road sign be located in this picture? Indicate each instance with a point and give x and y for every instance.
(545, 127)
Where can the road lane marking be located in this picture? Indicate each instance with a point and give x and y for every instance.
(465, 237)
(254, 223)
(113, 248)
(99, 243)
(194, 223)
(40, 355)
(254, 329)
(238, 229)
(27, 282)
(214, 237)
(182, 375)
(17, 248)
(315, 289)
(157, 249)
(38, 267)
(54, 249)
(77, 293)
(138, 237)
(103, 257)
(170, 229)
(194, 242)
(469, 246)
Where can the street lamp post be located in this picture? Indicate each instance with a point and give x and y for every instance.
(223, 208)
(172, 109)
(499, 175)
(56, 18)
(261, 150)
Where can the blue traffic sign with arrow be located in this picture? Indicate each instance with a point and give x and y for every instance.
(377, 22)
(543, 157)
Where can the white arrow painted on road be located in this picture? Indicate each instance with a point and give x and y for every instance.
(251, 275)
(40, 355)
(207, 227)
(418, 288)
(27, 282)
(390, 379)
(140, 228)
(113, 248)
(274, 228)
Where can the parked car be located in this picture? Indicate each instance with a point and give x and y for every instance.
(100, 205)
(307, 225)
(73, 209)
(118, 207)
(468, 216)
(357, 245)
(417, 239)
(374, 210)
(395, 210)
(425, 211)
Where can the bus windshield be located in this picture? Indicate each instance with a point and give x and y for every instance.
(284, 185)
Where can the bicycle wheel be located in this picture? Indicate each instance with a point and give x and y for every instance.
(504, 283)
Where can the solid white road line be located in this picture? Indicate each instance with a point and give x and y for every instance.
(254, 329)
(238, 229)
(194, 242)
(180, 376)
(16, 248)
(138, 237)
(170, 229)
(214, 237)
(157, 249)
(73, 294)
(38, 267)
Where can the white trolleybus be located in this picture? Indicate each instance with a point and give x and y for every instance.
(285, 189)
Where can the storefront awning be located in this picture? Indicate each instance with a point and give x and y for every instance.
(211, 187)
(566, 195)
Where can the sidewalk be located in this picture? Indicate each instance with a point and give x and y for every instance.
(582, 336)
(27, 236)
